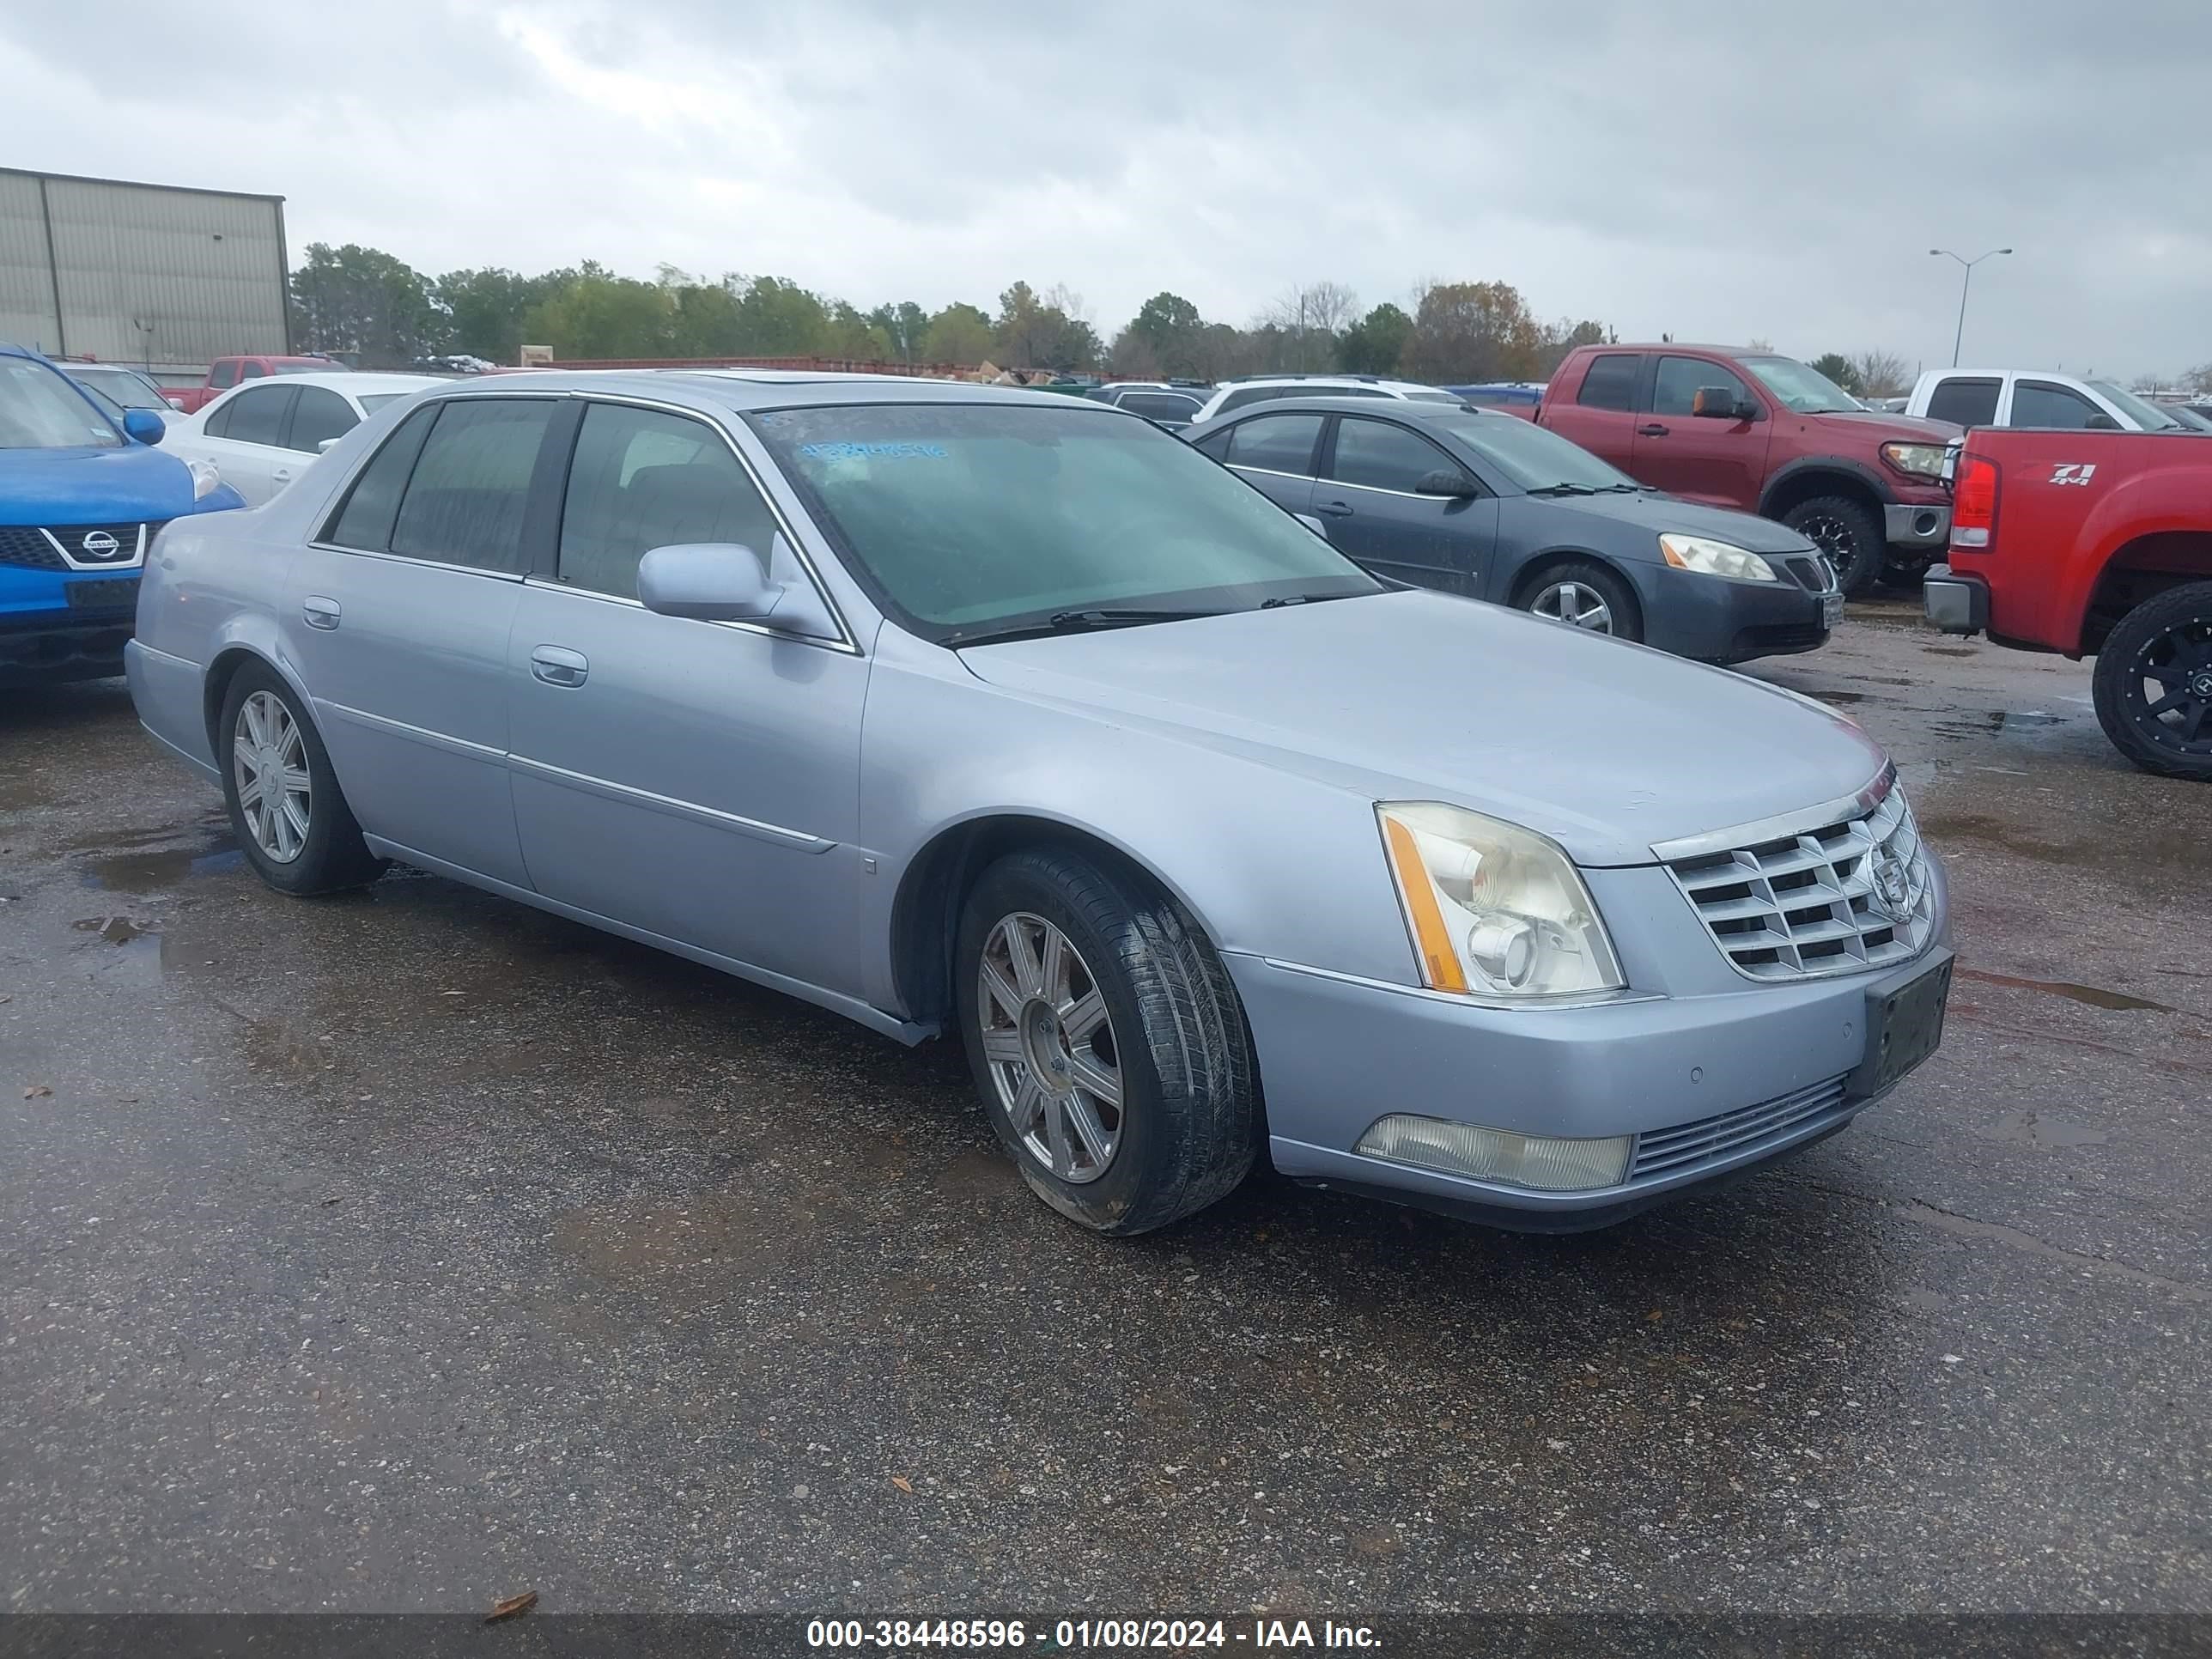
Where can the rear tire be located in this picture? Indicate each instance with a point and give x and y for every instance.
(2154, 683)
(299, 839)
(1122, 1013)
(1583, 593)
(1850, 532)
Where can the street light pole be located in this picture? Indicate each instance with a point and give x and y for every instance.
(1966, 283)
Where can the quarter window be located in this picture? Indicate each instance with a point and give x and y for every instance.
(641, 479)
(320, 415)
(1680, 379)
(465, 501)
(257, 415)
(1278, 443)
(2039, 402)
(1609, 382)
(1380, 455)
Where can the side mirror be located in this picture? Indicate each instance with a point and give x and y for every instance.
(707, 581)
(1312, 524)
(144, 425)
(2100, 421)
(1720, 402)
(1447, 480)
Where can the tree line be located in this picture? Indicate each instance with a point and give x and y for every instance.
(382, 314)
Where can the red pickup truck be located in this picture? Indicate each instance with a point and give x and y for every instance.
(2094, 543)
(227, 372)
(1764, 434)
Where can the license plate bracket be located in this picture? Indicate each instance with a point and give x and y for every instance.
(1904, 1025)
(1831, 610)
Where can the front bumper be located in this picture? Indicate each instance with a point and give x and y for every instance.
(1740, 1078)
(1717, 620)
(51, 646)
(1920, 525)
(1956, 604)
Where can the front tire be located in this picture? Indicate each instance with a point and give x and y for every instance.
(1850, 532)
(1583, 593)
(1106, 1041)
(2154, 683)
(286, 810)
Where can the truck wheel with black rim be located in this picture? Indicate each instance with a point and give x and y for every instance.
(2154, 683)
(1106, 1039)
(1850, 532)
(291, 820)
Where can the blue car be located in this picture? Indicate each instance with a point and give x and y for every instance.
(82, 493)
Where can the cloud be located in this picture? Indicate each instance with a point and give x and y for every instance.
(1731, 171)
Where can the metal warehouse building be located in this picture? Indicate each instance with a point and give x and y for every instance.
(156, 275)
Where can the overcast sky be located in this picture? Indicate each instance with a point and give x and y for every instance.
(1720, 171)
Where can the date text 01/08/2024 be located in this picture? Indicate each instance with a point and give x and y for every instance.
(1071, 1635)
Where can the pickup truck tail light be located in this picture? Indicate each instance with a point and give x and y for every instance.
(1974, 502)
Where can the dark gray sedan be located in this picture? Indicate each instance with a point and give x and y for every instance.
(1470, 500)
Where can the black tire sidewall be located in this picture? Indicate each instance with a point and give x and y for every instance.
(332, 855)
(2117, 659)
(1869, 550)
(1146, 1160)
(1619, 593)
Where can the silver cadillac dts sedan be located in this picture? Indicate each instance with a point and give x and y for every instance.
(956, 708)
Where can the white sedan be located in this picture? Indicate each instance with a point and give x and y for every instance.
(262, 435)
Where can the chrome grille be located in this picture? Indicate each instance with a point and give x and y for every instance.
(1849, 896)
(61, 546)
(1730, 1134)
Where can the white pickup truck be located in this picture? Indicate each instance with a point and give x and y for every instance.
(2026, 396)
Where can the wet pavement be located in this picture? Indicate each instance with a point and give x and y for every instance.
(408, 1250)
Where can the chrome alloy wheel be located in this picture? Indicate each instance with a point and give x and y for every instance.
(1049, 1044)
(269, 757)
(1575, 604)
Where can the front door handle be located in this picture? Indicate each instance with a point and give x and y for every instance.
(320, 612)
(557, 665)
(281, 475)
(1654, 430)
(1333, 509)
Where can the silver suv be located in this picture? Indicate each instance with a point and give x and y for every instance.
(1266, 388)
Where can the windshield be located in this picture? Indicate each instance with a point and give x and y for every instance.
(40, 409)
(968, 518)
(2149, 417)
(1805, 390)
(120, 386)
(1529, 455)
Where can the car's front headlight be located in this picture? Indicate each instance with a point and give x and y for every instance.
(1493, 910)
(1921, 460)
(205, 478)
(1712, 558)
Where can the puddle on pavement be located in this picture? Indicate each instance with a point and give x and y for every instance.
(2041, 1129)
(116, 930)
(150, 872)
(702, 1232)
(1949, 650)
(1842, 697)
(2059, 987)
(21, 794)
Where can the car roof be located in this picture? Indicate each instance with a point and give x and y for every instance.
(1682, 345)
(358, 381)
(769, 388)
(1419, 409)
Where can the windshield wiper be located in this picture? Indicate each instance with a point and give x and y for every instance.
(1303, 598)
(1563, 488)
(1075, 622)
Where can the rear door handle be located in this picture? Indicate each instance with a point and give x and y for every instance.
(1333, 509)
(557, 665)
(282, 475)
(320, 612)
(1654, 430)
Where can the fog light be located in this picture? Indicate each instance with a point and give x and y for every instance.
(1546, 1164)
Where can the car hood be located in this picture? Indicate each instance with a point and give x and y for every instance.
(91, 486)
(1603, 746)
(1665, 512)
(1880, 426)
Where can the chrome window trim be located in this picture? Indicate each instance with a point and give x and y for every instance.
(545, 585)
(1242, 466)
(417, 559)
(136, 561)
(1782, 824)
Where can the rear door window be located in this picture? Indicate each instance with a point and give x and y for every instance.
(1965, 400)
(2039, 402)
(641, 479)
(465, 501)
(320, 415)
(1610, 381)
(1276, 443)
(257, 415)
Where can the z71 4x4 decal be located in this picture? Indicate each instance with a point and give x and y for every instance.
(2073, 472)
